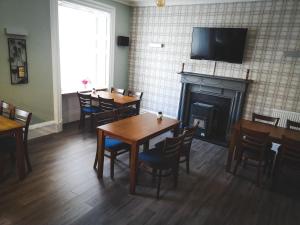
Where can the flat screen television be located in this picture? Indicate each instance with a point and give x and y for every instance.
(218, 44)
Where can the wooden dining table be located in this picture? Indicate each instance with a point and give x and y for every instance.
(135, 131)
(119, 99)
(15, 129)
(275, 135)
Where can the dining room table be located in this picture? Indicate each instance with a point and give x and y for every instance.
(275, 135)
(9, 127)
(119, 99)
(135, 131)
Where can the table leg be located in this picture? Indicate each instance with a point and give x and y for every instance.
(231, 150)
(20, 159)
(100, 150)
(134, 166)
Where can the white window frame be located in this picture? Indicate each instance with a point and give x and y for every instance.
(57, 97)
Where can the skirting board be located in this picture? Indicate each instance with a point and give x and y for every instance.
(42, 129)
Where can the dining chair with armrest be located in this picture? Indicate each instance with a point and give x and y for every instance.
(117, 90)
(252, 145)
(112, 145)
(163, 162)
(86, 108)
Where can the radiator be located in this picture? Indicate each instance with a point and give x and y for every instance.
(284, 115)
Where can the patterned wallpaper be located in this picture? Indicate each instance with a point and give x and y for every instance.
(273, 29)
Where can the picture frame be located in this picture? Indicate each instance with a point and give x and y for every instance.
(18, 60)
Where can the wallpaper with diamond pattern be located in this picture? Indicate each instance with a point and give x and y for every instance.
(273, 30)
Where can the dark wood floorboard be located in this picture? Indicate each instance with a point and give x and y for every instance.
(63, 189)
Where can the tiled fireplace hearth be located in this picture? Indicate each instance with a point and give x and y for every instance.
(215, 102)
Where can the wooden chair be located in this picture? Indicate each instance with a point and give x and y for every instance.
(188, 134)
(292, 125)
(288, 156)
(165, 160)
(133, 110)
(117, 90)
(8, 143)
(7, 110)
(123, 112)
(252, 145)
(106, 104)
(112, 145)
(86, 108)
(265, 119)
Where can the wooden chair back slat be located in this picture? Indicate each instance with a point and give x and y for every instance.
(7, 110)
(123, 112)
(104, 117)
(117, 90)
(292, 125)
(106, 104)
(171, 149)
(265, 119)
(290, 150)
(85, 100)
(137, 94)
(23, 117)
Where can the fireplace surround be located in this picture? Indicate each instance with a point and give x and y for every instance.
(225, 94)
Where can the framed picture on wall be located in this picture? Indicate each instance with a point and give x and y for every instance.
(18, 60)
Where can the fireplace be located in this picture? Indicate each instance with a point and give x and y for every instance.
(214, 102)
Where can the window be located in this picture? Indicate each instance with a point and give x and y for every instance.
(84, 39)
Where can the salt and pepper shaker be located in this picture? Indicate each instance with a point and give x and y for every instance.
(159, 115)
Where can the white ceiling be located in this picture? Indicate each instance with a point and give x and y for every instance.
(179, 2)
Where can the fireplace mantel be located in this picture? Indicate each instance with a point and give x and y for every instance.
(226, 87)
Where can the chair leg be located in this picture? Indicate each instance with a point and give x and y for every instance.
(27, 158)
(82, 120)
(176, 176)
(158, 184)
(96, 160)
(258, 174)
(239, 159)
(187, 164)
(112, 164)
(2, 166)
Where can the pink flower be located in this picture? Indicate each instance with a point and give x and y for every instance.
(84, 81)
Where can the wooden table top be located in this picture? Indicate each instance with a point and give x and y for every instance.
(118, 98)
(8, 124)
(276, 133)
(138, 128)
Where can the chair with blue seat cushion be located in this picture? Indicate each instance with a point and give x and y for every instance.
(134, 109)
(86, 107)
(164, 161)
(112, 145)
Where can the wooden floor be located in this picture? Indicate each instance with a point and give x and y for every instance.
(63, 189)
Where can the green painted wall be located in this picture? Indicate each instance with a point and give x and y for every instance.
(34, 16)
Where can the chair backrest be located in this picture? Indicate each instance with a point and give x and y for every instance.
(290, 151)
(7, 110)
(85, 100)
(105, 117)
(106, 104)
(256, 141)
(137, 94)
(292, 125)
(265, 119)
(171, 150)
(23, 117)
(188, 134)
(123, 113)
(117, 90)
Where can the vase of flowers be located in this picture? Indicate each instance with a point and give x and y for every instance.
(85, 82)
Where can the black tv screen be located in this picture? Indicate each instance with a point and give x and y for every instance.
(219, 44)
